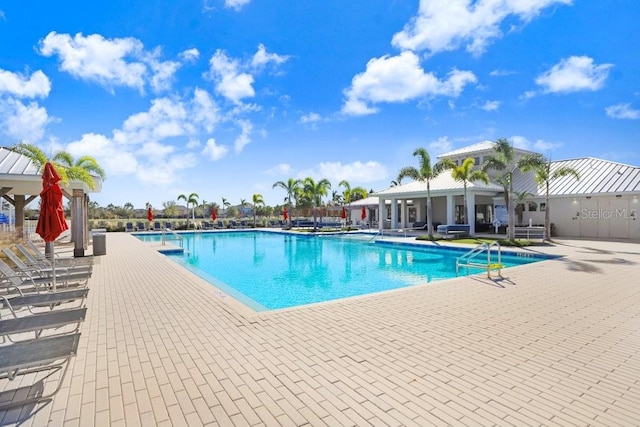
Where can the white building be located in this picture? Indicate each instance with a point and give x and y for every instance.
(603, 203)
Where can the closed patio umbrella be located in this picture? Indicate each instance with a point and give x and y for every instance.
(285, 214)
(214, 215)
(51, 222)
(149, 214)
(343, 215)
(363, 215)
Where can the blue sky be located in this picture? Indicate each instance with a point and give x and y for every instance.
(226, 97)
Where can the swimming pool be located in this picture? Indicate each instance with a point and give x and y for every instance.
(268, 270)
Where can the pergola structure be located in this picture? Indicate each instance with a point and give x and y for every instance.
(21, 183)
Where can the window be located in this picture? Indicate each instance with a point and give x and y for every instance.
(543, 207)
(476, 160)
(533, 207)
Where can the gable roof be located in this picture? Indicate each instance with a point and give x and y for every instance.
(480, 147)
(597, 176)
(443, 183)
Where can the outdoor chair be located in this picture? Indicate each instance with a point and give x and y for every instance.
(45, 299)
(140, 226)
(129, 227)
(243, 224)
(220, 224)
(157, 226)
(234, 224)
(167, 225)
(39, 256)
(50, 353)
(40, 280)
(66, 265)
(22, 326)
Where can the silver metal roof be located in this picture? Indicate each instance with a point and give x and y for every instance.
(480, 147)
(597, 176)
(442, 184)
(16, 164)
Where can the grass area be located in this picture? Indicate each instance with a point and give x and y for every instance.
(478, 241)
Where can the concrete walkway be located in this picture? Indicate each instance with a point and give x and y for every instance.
(556, 343)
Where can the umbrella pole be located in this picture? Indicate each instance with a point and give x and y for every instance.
(53, 265)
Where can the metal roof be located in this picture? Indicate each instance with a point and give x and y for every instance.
(597, 176)
(443, 183)
(16, 164)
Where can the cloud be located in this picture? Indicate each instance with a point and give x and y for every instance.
(189, 55)
(501, 73)
(398, 79)
(262, 58)
(440, 145)
(490, 106)
(539, 145)
(446, 25)
(214, 151)
(243, 139)
(356, 172)
(280, 169)
(205, 111)
(574, 74)
(23, 122)
(115, 160)
(230, 81)
(37, 85)
(236, 4)
(622, 111)
(310, 118)
(110, 62)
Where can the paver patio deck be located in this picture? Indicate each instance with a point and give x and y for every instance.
(556, 343)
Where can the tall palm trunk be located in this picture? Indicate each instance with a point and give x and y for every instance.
(429, 213)
(547, 215)
(511, 210)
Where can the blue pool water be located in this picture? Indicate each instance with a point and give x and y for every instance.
(269, 271)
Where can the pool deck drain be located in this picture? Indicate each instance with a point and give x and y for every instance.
(554, 343)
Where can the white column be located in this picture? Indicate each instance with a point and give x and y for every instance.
(403, 214)
(394, 214)
(451, 209)
(77, 223)
(471, 209)
(382, 213)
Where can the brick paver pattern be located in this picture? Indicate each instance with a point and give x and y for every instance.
(554, 343)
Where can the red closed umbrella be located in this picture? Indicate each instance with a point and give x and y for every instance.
(149, 214)
(363, 215)
(214, 216)
(343, 215)
(285, 214)
(51, 222)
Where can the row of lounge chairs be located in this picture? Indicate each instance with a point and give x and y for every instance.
(39, 327)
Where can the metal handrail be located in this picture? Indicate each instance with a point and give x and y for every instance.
(174, 234)
(468, 257)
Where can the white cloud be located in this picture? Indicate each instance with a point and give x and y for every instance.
(501, 73)
(440, 145)
(622, 111)
(280, 169)
(490, 106)
(263, 58)
(540, 145)
(116, 160)
(205, 110)
(446, 25)
(243, 139)
(35, 86)
(214, 151)
(398, 79)
(110, 62)
(189, 55)
(230, 81)
(23, 122)
(356, 172)
(236, 4)
(574, 74)
(311, 118)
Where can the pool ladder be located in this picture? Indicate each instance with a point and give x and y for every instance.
(470, 259)
(172, 236)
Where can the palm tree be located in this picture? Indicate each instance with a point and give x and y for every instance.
(243, 203)
(314, 191)
(258, 200)
(225, 204)
(544, 175)
(292, 187)
(204, 207)
(82, 169)
(426, 173)
(192, 199)
(466, 174)
(351, 194)
(519, 197)
(504, 159)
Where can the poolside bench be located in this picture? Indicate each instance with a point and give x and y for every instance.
(530, 233)
(454, 230)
